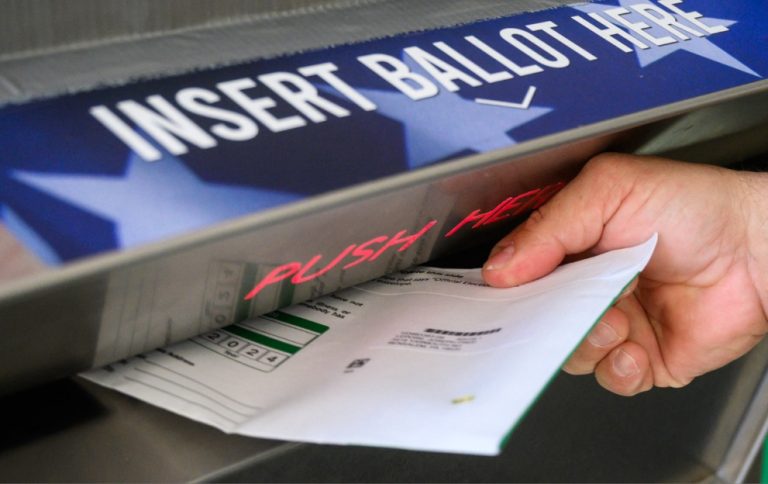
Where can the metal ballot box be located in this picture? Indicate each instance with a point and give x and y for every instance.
(386, 133)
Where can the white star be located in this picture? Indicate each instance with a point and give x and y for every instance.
(155, 200)
(700, 46)
(438, 127)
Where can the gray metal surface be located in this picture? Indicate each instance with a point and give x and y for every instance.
(98, 47)
(72, 431)
(34, 27)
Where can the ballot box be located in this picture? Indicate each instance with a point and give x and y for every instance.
(169, 168)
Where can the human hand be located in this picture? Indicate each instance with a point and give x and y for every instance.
(703, 298)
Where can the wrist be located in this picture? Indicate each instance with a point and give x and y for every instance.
(754, 187)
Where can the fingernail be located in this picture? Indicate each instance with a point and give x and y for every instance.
(500, 259)
(603, 335)
(624, 365)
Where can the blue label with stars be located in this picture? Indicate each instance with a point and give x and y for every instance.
(118, 167)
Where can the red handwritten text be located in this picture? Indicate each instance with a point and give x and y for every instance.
(368, 251)
(509, 207)
(298, 272)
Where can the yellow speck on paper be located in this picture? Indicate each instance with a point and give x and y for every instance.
(464, 399)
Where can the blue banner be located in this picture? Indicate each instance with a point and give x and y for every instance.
(117, 167)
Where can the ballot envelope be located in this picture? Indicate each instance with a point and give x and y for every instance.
(159, 184)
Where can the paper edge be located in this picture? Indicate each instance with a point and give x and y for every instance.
(652, 241)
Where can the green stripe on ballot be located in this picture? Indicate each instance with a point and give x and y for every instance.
(297, 321)
(263, 340)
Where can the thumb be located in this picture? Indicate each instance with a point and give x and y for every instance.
(571, 223)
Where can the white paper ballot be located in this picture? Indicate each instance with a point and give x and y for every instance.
(427, 359)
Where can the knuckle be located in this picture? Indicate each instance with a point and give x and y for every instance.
(608, 166)
(597, 164)
(535, 222)
(605, 161)
(536, 217)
